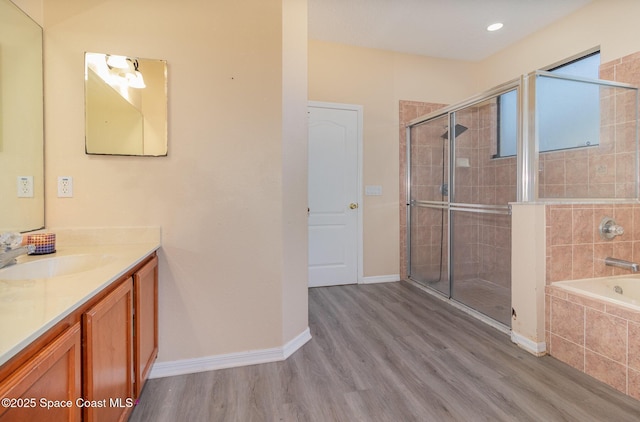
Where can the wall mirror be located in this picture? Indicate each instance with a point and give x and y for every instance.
(21, 121)
(125, 105)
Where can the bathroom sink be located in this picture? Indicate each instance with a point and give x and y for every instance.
(54, 266)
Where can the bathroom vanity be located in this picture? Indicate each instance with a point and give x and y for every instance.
(79, 345)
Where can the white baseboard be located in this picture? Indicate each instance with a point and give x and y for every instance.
(380, 279)
(537, 349)
(296, 343)
(231, 360)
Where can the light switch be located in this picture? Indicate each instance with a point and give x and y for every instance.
(462, 162)
(373, 190)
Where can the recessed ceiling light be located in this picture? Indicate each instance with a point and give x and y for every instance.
(494, 26)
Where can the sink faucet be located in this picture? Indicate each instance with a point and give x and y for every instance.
(621, 263)
(10, 248)
(8, 255)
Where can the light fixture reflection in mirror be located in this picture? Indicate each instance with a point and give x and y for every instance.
(125, 105)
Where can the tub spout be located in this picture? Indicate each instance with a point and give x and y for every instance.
(621, 263)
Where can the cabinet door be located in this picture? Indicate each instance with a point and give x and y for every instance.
(108, 357)
(53, 374)
(145, 284)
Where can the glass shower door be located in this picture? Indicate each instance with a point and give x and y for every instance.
(428, 207)
(484, 182)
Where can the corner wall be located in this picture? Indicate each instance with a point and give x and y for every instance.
(231, 194)
(33, 8)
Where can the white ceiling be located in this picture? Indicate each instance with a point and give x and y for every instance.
(454, 29)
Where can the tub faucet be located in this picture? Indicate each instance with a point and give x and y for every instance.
(621, 263)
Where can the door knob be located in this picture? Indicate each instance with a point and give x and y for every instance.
(353, 205)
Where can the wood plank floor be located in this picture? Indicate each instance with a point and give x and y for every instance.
(390, 352)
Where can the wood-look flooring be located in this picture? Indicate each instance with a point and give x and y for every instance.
(390, 352)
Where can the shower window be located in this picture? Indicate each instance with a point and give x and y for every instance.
(507, 124)
(587, 148)
(568, 111)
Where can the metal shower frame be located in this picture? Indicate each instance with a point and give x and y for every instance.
(527, 150)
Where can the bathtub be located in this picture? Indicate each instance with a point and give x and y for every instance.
(594, 326)
(619, 290)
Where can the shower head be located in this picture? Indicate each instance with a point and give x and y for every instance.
(459, 131)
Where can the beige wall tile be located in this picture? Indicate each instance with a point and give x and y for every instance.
(567, 320)
(586, 301)
(634, 346)
(606, 370)
(633, 384)
(561, 219)
(561, 262)
(582, 266)
(606, 335)
(570, 353)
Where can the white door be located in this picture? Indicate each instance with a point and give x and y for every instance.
(334, 213)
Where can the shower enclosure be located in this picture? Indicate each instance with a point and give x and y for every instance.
(510, 144)
(459, 190)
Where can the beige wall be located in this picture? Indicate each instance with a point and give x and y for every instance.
(610, 24)
(33, 8)
(378, 80)
(231, 194)
(294, 168)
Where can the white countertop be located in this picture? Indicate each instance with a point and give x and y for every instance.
(28, 308)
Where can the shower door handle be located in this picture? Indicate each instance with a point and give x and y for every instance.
(353, 205)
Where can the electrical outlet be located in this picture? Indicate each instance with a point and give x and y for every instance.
(25, 186)
(65, 187)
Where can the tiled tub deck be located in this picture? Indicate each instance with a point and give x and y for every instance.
(597, 337)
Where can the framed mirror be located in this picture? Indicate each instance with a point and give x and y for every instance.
(125, 105)
(21, 121)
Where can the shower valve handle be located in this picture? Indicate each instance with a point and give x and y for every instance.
(610, 229)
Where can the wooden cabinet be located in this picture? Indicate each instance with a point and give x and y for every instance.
(97, 358)
(145, 285)
(121, 344)
(47, 386)
(108, 356)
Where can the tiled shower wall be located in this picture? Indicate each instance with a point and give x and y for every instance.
(575, 249)
(482, 241)
(409, 110)
(429, 244)
(598, 338)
